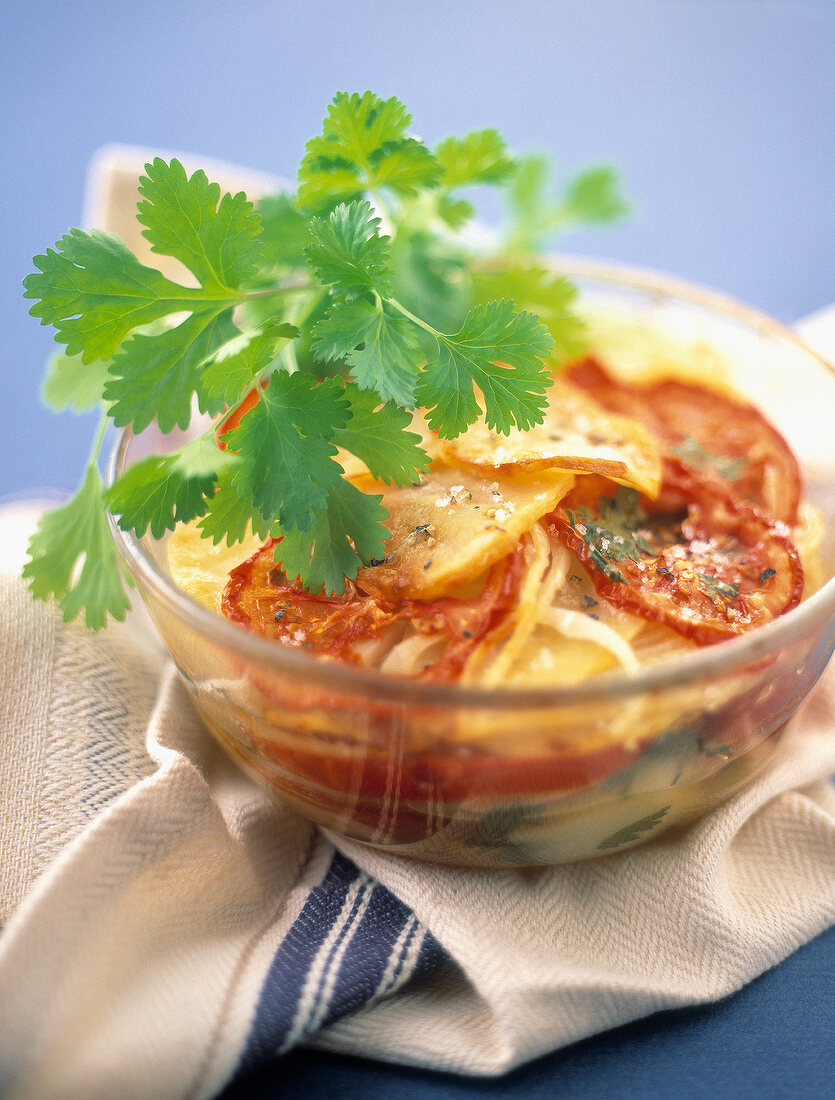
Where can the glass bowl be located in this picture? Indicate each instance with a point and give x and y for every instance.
(505, 776)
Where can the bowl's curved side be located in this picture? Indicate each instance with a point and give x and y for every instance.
(440, 771)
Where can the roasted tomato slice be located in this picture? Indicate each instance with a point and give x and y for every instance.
(259, 597)
(467, 623)
(698, 559)
(710, 431)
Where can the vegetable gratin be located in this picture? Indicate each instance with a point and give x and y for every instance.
(464, 557)
(595, 540)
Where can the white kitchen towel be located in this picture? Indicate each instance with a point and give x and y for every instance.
(178, 926)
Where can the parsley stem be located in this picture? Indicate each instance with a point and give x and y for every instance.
(301, 286)
(95, 450)
(415, 320)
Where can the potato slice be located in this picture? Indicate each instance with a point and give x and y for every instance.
(202, 570)
(577, 434)
(455, 524)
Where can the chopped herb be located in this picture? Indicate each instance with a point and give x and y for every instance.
(725, 751)
(589, 601)
(665, 572)
(427, 563)
(614, 534)
(279, 615)
(675, 745)
(694, 455)
(496, 828)
(630, 833)
(716, 587)
(766, 573)
(426, 531)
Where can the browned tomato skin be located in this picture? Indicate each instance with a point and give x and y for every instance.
(732, 542)
(724, 427)
(258, 598)
(468, 623)
(330, 625)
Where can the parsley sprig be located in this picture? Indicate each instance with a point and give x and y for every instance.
(331, 314)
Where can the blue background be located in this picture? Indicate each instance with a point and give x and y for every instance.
(720, 117)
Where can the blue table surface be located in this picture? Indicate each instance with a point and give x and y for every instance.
(774, 1038)
(720, 117)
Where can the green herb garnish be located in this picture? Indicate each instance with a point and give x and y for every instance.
(715, 587)
(593, 196)
(695, 455)
(613, 534)
(630, 833)
(342, 307)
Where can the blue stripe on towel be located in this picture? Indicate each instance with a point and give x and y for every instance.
(352, 943)
(373, 951)
(286, 977)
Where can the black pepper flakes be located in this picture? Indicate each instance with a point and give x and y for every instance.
(427, 563)
(279, 615)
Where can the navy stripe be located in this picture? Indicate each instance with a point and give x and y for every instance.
(368, 954)
(285, 979)
(372, 943)
(350, 927)
(432, 956)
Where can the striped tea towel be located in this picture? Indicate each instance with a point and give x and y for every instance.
(168, 926)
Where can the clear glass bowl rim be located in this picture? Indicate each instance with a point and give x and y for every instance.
(712, 661)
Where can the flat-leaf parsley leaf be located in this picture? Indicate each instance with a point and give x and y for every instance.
(318, 322)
